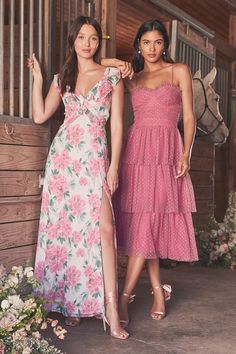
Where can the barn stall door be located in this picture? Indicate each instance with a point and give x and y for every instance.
(26, 26)
(192, 48)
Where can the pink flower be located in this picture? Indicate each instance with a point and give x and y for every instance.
(70, 307)
(77, 166)
(75, 134)
(77, 237)
(94, 201)
(90, 307)
(39, 270)
(61, 161)
(93, 237)
(88, 271)
(76, 204)
(58, 186)
(52, 231)
(55, 257)
(94, 283)
(104, 89)
(94, 215)
(72, 276)
(80, 252)
(83, 181)
(45, 202)
(94, 167)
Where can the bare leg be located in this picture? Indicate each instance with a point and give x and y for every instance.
(109, 268)
(134, 268)
(158, 295)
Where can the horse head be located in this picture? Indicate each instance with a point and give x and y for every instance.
(210, 122)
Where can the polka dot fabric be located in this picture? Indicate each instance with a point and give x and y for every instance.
(153, 208)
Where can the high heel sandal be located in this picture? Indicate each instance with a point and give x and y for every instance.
(72, 321)
(110, 298)
(166, 290)
(124, 323)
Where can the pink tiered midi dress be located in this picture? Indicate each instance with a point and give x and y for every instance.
(153, 208)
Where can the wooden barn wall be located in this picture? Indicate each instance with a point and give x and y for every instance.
(23, 152)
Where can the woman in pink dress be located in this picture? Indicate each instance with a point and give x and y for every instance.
(155, 199)
(76, 255)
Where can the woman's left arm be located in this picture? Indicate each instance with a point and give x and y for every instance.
(116, 134)
(183, 75)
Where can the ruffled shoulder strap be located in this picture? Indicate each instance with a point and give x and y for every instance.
(113, 75)
(57, 82)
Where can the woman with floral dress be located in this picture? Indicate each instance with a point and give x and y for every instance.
(76, 255)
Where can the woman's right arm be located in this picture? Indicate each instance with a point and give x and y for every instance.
(42, 108)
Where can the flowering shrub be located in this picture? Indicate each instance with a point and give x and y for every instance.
(22, 315)
(217, 241)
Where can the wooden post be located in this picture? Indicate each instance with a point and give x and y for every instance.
(232, 143)
(108, 22)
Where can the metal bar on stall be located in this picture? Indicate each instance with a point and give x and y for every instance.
(31, 46)
(21, 66)
(61, 33)
(2, 4)
(40, 30)
(11, 58)
(69, 16)
(76, 8)
(83, 7)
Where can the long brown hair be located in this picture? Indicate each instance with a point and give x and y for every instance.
(154, 25)
(69, 71)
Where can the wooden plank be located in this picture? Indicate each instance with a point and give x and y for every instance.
(18, 256)
(201, 148)
(201, 164)
(19, 209)
(18, 234)
(19, 183)
(23, 134)
(203, 193)
(14, 157)
(202, 178)
(204, 206)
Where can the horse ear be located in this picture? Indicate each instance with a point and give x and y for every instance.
(197, 74)
(210, 77)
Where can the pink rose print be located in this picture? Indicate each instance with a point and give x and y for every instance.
(94, 284)
(88, 271)
(90, 307)
(45, 202)
(83, 181)
(94, 167)
(104, 89)
(94, 201)
(94, 215)
(75, 134)
(52, 230)
(72, 276)
(77, 166)
(58, 186)
(76, 204)
(39, 270)
(80, 252)
(61, 161)
(70, 307)
(93, 237)
(77, 237)
(55, 257)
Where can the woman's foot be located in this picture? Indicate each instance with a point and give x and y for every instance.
(72, 321)
(112, 318)
(125, 300)
(158, 308)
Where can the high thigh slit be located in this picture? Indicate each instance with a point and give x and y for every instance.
(69, 254)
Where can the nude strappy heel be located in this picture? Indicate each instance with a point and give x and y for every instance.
(131, 297)
(111, 298)
(166, 290)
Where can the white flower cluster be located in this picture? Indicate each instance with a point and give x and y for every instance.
(218, 244)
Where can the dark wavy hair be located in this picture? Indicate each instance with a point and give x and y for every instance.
(69, 72)
(154, 25)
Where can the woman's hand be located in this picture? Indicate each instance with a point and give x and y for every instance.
(34, 65)
(125, 68)
(112, 179)
(183, 166)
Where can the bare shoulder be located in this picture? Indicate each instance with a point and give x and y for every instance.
(181, 70)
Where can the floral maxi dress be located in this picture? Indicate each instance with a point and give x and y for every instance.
(68, 258)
